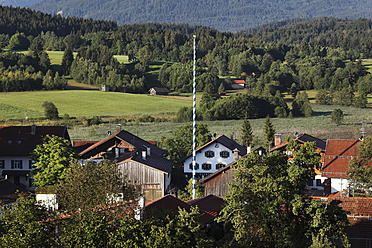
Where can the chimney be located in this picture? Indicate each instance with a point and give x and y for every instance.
(277, 139)
(148, 150)
(236, 154)
(248, 149)
(118, 128)
(33, 129)
(144, 155)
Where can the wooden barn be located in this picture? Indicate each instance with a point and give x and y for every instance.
(142, 163)
(158, 91)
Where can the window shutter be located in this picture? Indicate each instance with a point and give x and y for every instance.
(12, 164)
(21, 164)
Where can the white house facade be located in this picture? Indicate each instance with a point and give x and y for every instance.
(212, 156)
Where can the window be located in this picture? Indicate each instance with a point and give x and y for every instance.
(196, 166)
(30, 163)
(220, 165)
(318, 182)
(224, 154)
(206, 166)
(17, 164)
(2, 164)
(209, 154)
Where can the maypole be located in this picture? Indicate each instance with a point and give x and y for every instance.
(194, 124)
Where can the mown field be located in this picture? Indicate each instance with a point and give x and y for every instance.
(319, 125)
(78, 103)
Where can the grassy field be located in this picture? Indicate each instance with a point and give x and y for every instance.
(367, 63)
(84, 103)
(319, 125)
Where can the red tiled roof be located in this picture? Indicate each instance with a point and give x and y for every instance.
(19, 140)
(337, 157)
(359, 214)
(239, 81)
(211, 204)
(9, 192)
(171, 203)
(82, 143)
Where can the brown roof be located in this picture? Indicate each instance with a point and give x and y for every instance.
(9, 192)
(19, 141)
(161, 90)
(211, 204)
(337, 157)
(303, 138)
(171, 203)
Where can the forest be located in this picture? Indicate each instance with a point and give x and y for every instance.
(324, 54)
(231, 15)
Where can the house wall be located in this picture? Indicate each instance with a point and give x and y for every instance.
(339, 184)
(218, 185)
(25, 180)
(200, 159)
(49, 201)
(146, 177)
(314, 183)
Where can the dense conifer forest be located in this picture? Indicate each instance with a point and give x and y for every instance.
(227, 15)
(303, 54)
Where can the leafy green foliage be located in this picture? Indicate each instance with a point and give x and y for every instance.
(187, 194)
(179, 145)
(337, 116)
(92, 186)
(247, 133)
(360, 170)
(52, 158)
(269, 132)
(50, 110)
(266, 206)
(24, 225)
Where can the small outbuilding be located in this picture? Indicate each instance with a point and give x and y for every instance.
(158, 91)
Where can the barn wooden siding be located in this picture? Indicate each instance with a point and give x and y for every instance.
(139, 174)
(218, 185)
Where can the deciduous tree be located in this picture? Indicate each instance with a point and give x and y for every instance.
(52, 158)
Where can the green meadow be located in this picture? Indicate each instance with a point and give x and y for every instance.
(78, 103)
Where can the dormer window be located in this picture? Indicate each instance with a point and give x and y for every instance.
(206, 166)
(209, 154)
(224, 154)
(196, 166)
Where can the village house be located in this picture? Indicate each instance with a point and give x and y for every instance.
(212, 156)
(336, 163)
(317, 183)
(143, 163)
(16, 145)
(218, 183)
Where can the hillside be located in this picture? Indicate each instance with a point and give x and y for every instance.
(224, 15)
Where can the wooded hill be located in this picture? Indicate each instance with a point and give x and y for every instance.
(231, 15)
(322, 54)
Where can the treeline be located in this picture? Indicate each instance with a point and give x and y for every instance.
(223, 15)
(31, 22)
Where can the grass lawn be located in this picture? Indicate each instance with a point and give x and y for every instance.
(77, 103)
(122, 59)
(319, 125)
(367, 63)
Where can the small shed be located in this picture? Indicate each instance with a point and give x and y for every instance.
(105, 87)
(238, 84)
(158, 91)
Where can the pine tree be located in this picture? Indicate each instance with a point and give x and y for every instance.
(247, 133)
(269, 132)
(67, 60)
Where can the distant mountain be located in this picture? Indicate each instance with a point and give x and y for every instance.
(18, 3)
(231, 15)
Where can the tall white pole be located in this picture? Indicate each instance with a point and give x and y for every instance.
(194, 124)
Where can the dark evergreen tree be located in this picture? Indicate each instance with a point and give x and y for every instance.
(67, 60)
(247, 133)
(269, 133)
